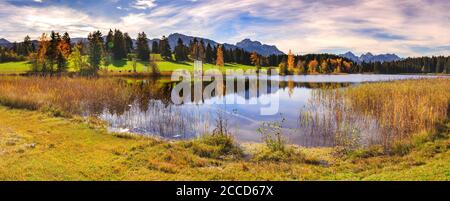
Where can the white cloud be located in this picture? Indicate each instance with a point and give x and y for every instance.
(144, 4)
(305, 26)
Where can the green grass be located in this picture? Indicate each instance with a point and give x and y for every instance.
(125, 66)
(51, 148)
(167, 66)
(9, 68)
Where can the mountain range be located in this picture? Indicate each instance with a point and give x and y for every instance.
(246, 44)
(370, 58)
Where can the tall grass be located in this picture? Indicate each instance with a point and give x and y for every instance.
(65, 95)
(381, 113)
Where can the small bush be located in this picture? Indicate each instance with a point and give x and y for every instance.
(215, 146)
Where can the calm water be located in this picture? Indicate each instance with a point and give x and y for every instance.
(157, 115)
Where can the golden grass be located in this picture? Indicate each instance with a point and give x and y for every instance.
(398, 109)
(35, 146)
(65, 96)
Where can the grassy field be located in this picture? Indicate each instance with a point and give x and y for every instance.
(38, 142)
(10, 68)
(50, 148)
(125, 67)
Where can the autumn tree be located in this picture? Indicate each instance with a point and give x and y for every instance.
(219, 58)
(255, 59)
(64, 50)
(290, 62)
(44, 44)
(312, 66)
(198, 50)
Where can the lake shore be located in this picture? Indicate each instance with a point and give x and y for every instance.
(36, 146)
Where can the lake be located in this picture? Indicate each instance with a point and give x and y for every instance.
(156, 114)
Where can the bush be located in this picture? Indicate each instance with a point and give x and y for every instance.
(215, 146)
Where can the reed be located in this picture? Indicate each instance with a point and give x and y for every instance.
(378, 113)
(64, 95)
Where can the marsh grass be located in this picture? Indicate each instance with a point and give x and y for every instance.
(385, 113)
(64, 96)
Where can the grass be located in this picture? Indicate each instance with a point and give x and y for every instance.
(398, 109)
(166, 66)
(10, 68)
(52, 148)
(118, 67)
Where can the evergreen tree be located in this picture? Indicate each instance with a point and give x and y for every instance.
(142, 49)
(209, 55)
(155, 47)
(164, 48)
(128, 43)
(180, 51)
(119, 50)
(95, 52)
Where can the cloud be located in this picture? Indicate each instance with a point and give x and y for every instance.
(405, 27)
(144, 4)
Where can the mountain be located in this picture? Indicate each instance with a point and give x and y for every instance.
(370, 58)
(256, 46)
(5, 43)
(246, 44)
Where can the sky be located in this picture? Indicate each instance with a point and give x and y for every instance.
(405, 27)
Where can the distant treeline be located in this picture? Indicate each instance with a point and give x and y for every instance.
(439, 64)
(55, 53)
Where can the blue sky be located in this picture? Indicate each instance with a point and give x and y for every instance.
(404, 27)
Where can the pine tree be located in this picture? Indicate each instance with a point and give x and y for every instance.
(155, 47)
(209, 56)
(95, 52)
(119, 50)
(164, 48)
(180, 51)
(128, 43)
(143, 52)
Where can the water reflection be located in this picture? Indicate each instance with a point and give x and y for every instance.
(151, 112)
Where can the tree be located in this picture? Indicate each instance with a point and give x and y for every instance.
(255, 59)
(143, 51)
(119, 50)
(164, 48)
(312, 66)
(153, 66)
(290, 62)
(155, 47)
(209, 55)
(77, 61)
(64, 50)
(53, 52)
(128, 43)
(180, 51)
(109, 43)
(44, 44)
(95, 52)
(219, 59)
(198, 50)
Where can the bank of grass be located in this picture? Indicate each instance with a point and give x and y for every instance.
(14, 68)
(51, 148)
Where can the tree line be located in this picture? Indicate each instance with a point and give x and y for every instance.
(56, 53)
